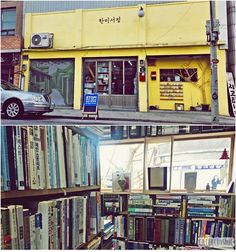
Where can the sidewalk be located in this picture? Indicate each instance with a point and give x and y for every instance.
(174, 117)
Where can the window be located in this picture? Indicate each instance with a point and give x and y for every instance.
(204, 157)
(54, 76)
(123, 158)
(8, 22)
(183, 75)
(158, 155)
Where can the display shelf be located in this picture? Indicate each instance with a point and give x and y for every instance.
(46, 192)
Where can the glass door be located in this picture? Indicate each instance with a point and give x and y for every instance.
(117, 83)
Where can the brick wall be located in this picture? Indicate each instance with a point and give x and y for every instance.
(11, 42)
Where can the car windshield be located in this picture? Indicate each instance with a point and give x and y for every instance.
(9, 86)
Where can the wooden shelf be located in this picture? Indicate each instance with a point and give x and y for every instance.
(171, 193)
(46, 192)
(213, 218)
(83, 246)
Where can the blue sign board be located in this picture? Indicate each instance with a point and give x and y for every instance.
(90, 100)
(90, 106)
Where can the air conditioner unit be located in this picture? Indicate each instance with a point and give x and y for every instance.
(41, 40)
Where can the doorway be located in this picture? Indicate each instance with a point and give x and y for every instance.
(115, 81)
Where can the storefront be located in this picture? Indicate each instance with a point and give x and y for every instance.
(179, 83)
(132, 62)
(114, 79)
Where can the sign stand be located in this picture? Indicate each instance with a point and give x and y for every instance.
(90, 106)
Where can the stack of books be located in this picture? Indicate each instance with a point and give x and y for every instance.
(140, 205)
(167, 206)
(108, 227)
(201, 206)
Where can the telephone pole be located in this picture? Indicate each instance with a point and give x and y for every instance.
(212, 31)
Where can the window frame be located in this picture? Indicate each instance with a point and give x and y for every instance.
(8, 31)
(172, 139)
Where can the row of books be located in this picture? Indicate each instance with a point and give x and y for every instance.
(39, 157)
(169, 206)
(196, 229)
(140, 205)
(114, 204)
(226, 207)
(64, 223)
(120, 226)
(151, 229)
(108, 227)
(201, 206)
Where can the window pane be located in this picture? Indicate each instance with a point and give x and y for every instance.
(201, 156)
(89, 77)
(103, 77)
(117, 78)
(122, 158)
(55, 77)
(8, 19)
(158, 155)
(131, 79)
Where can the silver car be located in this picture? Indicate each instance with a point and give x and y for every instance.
(15, 102)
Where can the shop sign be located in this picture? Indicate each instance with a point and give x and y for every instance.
(90, 106)
(231, 88)
(109, 20)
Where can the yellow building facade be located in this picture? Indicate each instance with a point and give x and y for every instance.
(158, 61)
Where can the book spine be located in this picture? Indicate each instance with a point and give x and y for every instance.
(32, 232)
(25, 151)
(20, 226)
(26, 228)
(38, 229)
(13, 227)
(12, 157)
(33, 172)
(4, 161)
(62, 170)
(5, 229)
(76, 159)
(56, 156)
(43, 208)
(37, 157)
(71, 158)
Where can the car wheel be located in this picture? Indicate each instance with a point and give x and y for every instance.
(13, 109)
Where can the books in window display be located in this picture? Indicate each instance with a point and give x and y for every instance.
(39, 157)
(57, 224)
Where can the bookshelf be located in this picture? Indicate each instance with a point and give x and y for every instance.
(103, 77)
(59, 210)
(190, 215)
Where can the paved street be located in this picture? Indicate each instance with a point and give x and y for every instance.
(70, 116)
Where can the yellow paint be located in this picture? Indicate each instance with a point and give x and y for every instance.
(162, 25)
(194, 93)
(165, 30)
